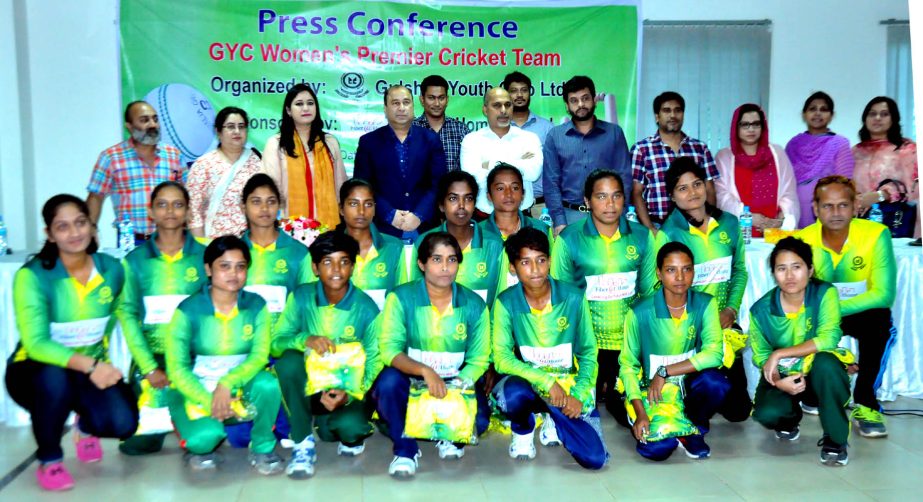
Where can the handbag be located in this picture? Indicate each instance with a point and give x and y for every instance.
(899, 216)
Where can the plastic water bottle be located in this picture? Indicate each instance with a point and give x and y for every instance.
(546, 217)
(632, 215)
(746, 225)
(4, 243)
(126, 234)
(876, 215)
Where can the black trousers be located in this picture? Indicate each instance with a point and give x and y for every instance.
(51, 393)
(608, 361)
(872, 329)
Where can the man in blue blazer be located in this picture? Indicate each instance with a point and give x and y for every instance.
(403, 163)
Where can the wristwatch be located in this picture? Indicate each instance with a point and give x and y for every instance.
(662, 372)
(881, 196)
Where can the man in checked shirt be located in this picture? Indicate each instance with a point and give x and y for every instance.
(435, 99)
(652, 156)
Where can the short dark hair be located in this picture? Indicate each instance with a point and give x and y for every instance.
(434, 81)
(223, 244)
(526, 238)
(668, 96)
(834, 179)
(169, 184)
(393, 87)
(454, 177)
(576, 83)
(600, 174)
(433, 239)
(673, 247)
(515, 76)
(256, 181)
(331, 242)
(222, 116)
(793, 245)
(351, 184)
(895, 136)
(818, 95)
(502, 167)
(131, 105)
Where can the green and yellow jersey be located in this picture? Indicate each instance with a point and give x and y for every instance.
(479, 270)
(489, 227)
(541, 346)
(308, 313)
(455, 342)
(275, 270)
(58, 317)
(613, 272)
(207, 348)
(154, 285)
(818, 319)
(653, 338)
(720, 262)
(864, 271)
(382, 269)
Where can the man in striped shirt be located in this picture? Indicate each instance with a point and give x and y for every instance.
(652, 156)
(131, 169)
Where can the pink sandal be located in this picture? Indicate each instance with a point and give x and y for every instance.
(54, 477)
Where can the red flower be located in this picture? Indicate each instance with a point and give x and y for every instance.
(313, 224)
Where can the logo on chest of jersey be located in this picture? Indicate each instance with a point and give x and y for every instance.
(349, 332)
(858, 263)
(631, 252)
(723, 238)
(690, 333)
(481, 269)
(461, 332)
(563, 323)
(248, 332)
(808, 324)
(381, 270)
(192, 275)
(105, 295)
(281, 267)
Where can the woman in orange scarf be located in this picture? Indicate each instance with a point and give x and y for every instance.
(304, 161)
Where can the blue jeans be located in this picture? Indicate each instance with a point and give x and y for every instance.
(519, 401)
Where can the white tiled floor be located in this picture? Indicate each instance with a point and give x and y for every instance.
(747, 464)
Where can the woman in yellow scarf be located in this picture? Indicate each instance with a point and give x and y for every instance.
(304, 161)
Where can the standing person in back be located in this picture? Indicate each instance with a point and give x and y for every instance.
(403, 163)
(435, 100)
(652, 156)
(575, 149)
(520, 88)
(131, 169)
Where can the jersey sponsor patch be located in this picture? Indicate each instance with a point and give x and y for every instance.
(274, 296)
(712, 272)
(79, 333)
(558, 357)
(159, 309)
(659, 360)
(607, 287)
(445, 364)
(847, 290)
(211, 369)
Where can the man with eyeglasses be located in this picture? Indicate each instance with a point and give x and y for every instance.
(132, 168)
(652, 156)
(576, 148)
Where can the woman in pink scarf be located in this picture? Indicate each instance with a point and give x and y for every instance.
(817, 153)
(755, 173)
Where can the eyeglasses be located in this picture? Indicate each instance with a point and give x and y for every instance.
(879, 115)
(750, 125)
(234, 127)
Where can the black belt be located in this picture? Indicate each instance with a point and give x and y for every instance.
(575, 207)
(540, 199)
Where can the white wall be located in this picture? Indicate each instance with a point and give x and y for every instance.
(832, 45)
(60, 90)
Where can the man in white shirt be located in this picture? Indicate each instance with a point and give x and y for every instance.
(481, 150)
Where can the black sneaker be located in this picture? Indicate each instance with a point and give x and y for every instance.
(789, 435)
(831, 453)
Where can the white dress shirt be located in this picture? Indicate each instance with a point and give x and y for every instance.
(484, 145)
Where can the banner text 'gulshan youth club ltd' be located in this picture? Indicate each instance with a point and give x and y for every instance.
(190, 59)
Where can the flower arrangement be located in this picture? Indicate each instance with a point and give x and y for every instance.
(302, 229)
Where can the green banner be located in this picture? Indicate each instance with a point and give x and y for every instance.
(190, 59)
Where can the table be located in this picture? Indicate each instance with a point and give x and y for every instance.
(903, 374)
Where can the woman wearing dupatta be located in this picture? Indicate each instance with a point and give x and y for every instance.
(304, 161)
(217, 178)
(817, 152)
(755, 173)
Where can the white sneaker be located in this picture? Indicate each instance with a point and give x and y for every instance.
(350, 451)
(548, 435)
(522, 446)
(403, 467)
(304, 456)
(448, 451)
